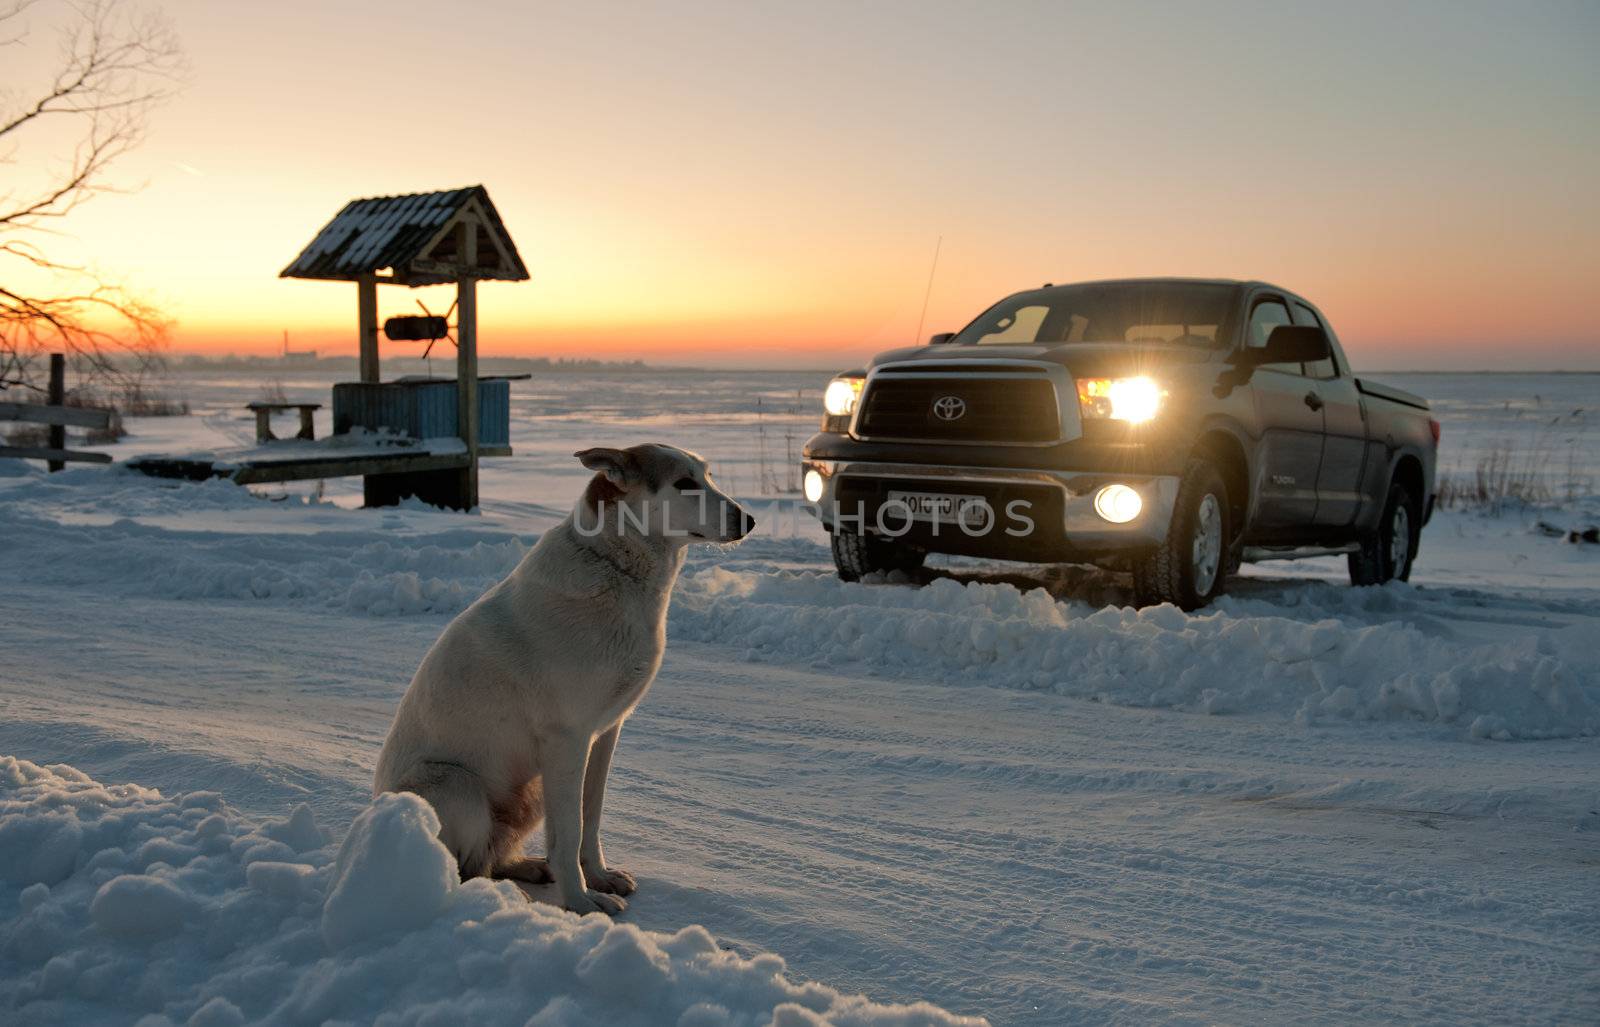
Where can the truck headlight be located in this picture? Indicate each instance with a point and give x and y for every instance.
(1134, 400)
(842, 393)
(1118, 503)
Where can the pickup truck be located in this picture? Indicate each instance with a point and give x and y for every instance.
(1172, 428)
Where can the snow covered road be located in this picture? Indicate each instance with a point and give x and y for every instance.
(876, 783)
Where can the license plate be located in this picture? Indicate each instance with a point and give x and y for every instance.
(941, 508)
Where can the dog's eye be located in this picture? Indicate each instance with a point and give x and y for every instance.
(685, 484)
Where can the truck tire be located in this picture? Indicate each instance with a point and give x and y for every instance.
(1387, 554)
(1190, 567)
(856, 555)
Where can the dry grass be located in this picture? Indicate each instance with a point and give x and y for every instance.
(1543, 471)
(132, 400)
(1544, 461)
(30, 436)
(138, 401)
(1500, 478)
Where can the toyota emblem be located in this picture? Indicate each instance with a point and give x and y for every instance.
(949, 408)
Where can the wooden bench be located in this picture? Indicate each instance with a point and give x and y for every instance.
(264, 411)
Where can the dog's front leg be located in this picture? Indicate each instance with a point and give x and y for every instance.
(563, 759)
(595, 872)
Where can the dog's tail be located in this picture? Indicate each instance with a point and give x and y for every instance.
(466, 816)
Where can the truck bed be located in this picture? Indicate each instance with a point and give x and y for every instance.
(1389, 392)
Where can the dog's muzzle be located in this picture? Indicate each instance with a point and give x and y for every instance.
(736, 523)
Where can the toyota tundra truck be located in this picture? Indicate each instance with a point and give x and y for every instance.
(1171, 428)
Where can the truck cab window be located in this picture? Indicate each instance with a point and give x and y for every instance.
(1304, 315)
(1264, 317)
(1198, 335)
(1128, 313)
(1019, 327)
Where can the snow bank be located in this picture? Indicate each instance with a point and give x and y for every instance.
(1316, 652)
(79, 529)
(118, 903)
(1542, 685)
(367, 563)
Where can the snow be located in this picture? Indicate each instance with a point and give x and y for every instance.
(1003, 793)
(123, 903)
(358, 442)
(1547, 424)
(1545, 685)
(391, 874)
(1243, 656)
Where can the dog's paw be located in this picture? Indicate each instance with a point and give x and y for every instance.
(610, 881)
(596, 902)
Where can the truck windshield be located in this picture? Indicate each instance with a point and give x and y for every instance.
(1186, 313)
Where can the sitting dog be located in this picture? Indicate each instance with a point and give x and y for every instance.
(513, 715)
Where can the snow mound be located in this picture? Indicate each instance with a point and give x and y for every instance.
(355, 571)
(391, 873)
(118, 903)
(1543, 685)
(122, 533)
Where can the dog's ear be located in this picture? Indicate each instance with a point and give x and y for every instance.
(619, 466)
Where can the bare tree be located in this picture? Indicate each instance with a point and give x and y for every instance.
(116, 62)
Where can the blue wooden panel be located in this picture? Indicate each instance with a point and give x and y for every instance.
(494, 413)
(436, 410)
(421, 410)
(362, 405)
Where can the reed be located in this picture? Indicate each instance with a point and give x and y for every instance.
(1540, 470)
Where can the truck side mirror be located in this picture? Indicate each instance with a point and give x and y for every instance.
(1291, 344)
(941, 338)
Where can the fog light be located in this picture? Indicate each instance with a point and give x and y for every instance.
(1118, 503)
(813, 487)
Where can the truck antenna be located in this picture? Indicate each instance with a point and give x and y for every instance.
(923, 317)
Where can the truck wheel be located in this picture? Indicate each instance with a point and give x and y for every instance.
(1190, 567)
(856, 555)
(1387, 554)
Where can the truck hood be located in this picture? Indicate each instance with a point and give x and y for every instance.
(1081, 359)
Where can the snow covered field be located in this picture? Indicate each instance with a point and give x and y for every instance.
(1002, 793)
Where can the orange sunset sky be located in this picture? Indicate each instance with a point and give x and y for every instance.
(760, 183)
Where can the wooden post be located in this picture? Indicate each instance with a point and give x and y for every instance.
(367, 320)
(467, 359)
(58, 396)
(467, 385)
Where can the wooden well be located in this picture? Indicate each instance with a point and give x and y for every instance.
(415, 240)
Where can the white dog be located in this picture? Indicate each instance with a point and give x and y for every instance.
(513, 715)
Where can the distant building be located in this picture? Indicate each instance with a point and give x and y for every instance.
(295, 355)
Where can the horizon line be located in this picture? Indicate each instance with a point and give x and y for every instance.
(641, 363)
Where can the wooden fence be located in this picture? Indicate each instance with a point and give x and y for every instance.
(57, 416)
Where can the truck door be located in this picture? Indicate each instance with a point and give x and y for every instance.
(1344, 433)
(1291, 432)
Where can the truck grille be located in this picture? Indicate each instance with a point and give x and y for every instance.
(1008, 536)
(1010, 409)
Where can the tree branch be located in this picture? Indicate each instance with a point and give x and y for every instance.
(117, 62)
